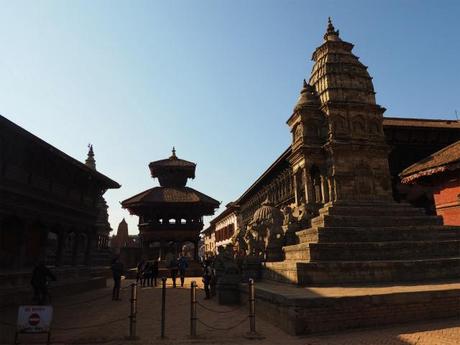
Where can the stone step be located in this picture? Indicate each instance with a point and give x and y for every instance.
(284, 271)
(330, 309)
(378, 234)
(368, 272)
(366, 221)
(297, 252)
(401, 250)
(393, 209)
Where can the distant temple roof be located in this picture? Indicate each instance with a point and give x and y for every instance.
(443, 160)
(106, 181)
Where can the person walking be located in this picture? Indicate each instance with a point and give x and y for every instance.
(146, 276)
(155, 271)
(140, 270)
(39, 282)
(117, 271)
(173, 267)
(182, 265)
(207, 277)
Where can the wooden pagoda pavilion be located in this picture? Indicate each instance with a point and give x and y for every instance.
(171, 215)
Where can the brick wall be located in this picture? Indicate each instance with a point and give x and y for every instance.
(447, 199)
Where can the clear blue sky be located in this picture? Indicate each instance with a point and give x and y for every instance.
(216, 79)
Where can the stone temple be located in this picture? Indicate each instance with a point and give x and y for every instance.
(340, 167)
(347, 241)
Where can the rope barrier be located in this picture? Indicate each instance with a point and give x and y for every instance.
(89, 326)
(82, 302)
(220, 311)
(222, 329)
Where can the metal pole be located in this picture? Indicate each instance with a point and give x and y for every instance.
(132, 316)
(193, 310)
(252, 307)
(163, 307)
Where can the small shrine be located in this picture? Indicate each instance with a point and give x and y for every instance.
(171, 215)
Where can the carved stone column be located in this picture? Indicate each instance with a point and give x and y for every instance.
(310, 196)
(325, 189)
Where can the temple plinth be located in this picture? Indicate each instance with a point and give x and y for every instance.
(170, 215)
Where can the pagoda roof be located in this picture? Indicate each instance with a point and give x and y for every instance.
(172, 172)
(172, 162)
(446, 159)
(168, 196)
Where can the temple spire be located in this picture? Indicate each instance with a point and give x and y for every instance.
(331, 34)
(90, 161)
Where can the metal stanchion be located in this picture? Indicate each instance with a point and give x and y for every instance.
(193, 310)
(133, 313)
(252, 307)
(252, 334)
(163, 306)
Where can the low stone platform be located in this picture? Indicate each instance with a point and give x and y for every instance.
(15, 286)
(306, 310)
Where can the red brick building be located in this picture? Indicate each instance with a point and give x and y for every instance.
(440, 171)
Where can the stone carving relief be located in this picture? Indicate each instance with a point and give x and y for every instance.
(298, 133)
(265, 235)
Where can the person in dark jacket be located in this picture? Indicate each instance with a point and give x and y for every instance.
(182, 265)
(171, 262)
(155, 271)
(117, 271)
(39, 282)
(207, 277)
(140, 270)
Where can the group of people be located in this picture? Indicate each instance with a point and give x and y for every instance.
(176, 266)
(147, 272)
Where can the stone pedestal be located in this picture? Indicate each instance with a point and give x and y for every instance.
(228, 289)
(290, 236)
(251, 268)
(274, 251)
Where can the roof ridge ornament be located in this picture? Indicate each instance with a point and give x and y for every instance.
(90, 161)
(173, 153)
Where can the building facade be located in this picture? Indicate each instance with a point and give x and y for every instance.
(50, 203)
(226, 225)
(208, 236)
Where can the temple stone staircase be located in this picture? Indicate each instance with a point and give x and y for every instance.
(370, 243)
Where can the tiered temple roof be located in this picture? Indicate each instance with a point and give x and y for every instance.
(172, 173)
